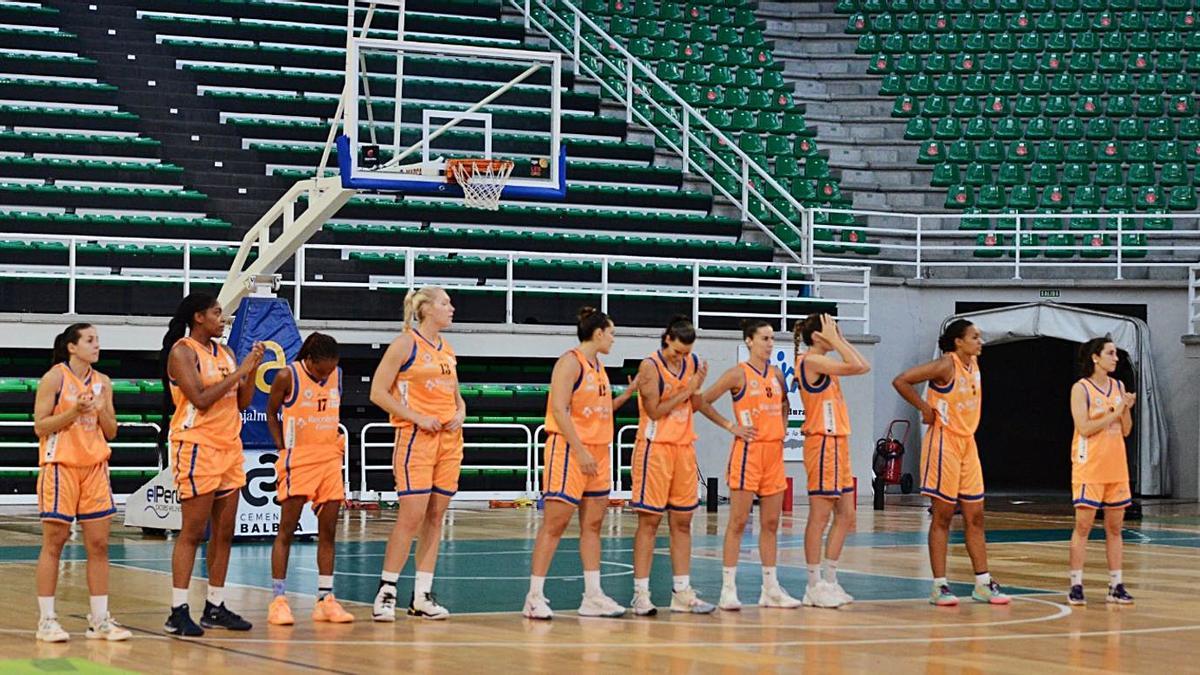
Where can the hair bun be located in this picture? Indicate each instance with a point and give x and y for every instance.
(585, 312)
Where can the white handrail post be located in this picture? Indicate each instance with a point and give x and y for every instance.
(187, 268)
(745, 188)
(687, 158)
(808, 219)
(508, 290)
(604, 284)
(526, 16)
(696, 293)
(299, 279)
(410, 266)
(71, 255)
(866, 300)
(783, 297)
(1120, 241)
(628, 91)
(1017, 249)
(919, 219)
(362, 461)
(575, 44)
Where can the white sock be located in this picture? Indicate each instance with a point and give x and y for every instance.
(324, 585)
(389, 579)
(1114, 577)
(179, 596)
(641, 584)
(423, 583)
(830, 569)
(680, 582)
(983, 579)
(46, 606)
(1076, 577)
(216, 595)
(814, 575)
(537, 585)
(729, 577)
(938, 582)
(769, 578)
(99, 604)
(591, 582)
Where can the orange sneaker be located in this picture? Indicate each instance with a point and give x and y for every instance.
(328, 609)
(279, 613)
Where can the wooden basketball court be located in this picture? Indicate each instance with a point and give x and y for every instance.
(482, 578)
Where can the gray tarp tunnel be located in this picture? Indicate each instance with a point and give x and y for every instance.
(1048, 319)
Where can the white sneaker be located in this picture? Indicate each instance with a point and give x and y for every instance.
(777, 597)
(537, 607)
(642, 605)
(821, 594)
(599, 604)
(427, 607)
(688, 601)
(840, 593)
(384, 608)
(106, 628)
(729, 599)
(49, 630)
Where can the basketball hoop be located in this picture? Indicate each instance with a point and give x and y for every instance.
(482, 180)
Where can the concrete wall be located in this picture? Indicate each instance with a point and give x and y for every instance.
(908, 316)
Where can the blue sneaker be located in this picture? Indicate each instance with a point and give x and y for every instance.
(1075, 595)
(1117, 594)
(220, 616)
(180, 623)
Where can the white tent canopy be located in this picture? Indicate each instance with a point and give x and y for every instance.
(1047, 319)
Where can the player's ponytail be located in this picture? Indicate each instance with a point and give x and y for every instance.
(1087, 350)
(318, 347)
(177, 327)
(956, 330)
(70, 336)
(805, 328)
(679, 329)
(414, 304)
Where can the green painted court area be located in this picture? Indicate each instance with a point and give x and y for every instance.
(491, 575)
(41, 666)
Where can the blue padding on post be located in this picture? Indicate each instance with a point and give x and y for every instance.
(447, 189)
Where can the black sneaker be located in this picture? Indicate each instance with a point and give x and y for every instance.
(180, 623)
(1075, 596)
(1119, 595)
(222, 617)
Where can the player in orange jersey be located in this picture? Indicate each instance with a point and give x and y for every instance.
(760, 408)
(1100, 408)
(826, 450)
(74, 420)
(951, 474)
(577, 472)
(665, 474)
(209, 390)
(303, 413)
(416, 384)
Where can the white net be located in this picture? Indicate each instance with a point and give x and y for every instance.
(482, 181)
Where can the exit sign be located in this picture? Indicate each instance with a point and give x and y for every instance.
(1048, 292)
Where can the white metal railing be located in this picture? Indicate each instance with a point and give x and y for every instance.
(1194, 300)
(151, 445)
(617, 490)
(622, 445)
(518, 430)
(914, 244)
(638, 80)
(779, 284)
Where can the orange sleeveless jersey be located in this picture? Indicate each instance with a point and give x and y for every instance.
(825, 410)
(676, 426)
(310, 419)
(221, 425)
(959, 403)
(759, 403)
(82, 443)
(428, 381)
(1100, 458)
(591, 405)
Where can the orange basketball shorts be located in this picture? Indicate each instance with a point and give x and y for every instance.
(665, 476)
(321, 482)
(427, 461)
(68, 493)
(1098, 495)
(950, 468)
(757, 467)
(562, 478)
(201, 469)
(827, 461)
